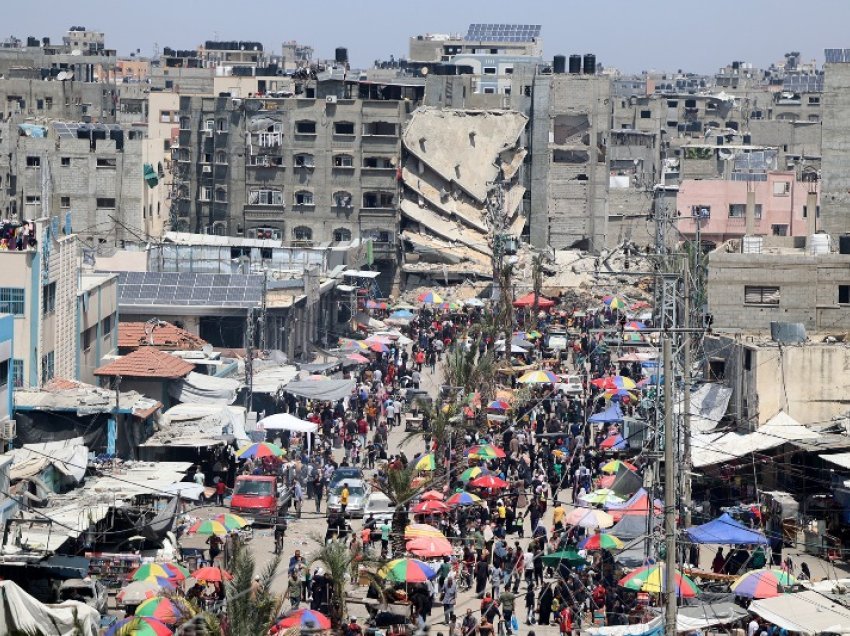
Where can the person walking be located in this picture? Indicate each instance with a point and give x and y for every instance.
(449, 597)
(318, 489)
(298, 498)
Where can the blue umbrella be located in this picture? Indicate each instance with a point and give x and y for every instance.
(402, 313)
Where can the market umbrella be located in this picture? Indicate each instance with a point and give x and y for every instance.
(485, 451)
(615, 302)
(425, 462)
(375, 304)
(472, 472)
(210, 526)
(589, 518)
(402, 314)
(763, 583)
(498, 405)
(430, 547)
(430, 298)
(179, 572)
(260, 449)
(417, 530)
(490, 482)
(350, 344)
(211, 574)
(377, 347)
(541, 376)
(161, 608)
(634, 325)
(430, 507)
(614, 465)
(305, 618)
(407, 571)
(356, 357)
(147, 570)
(653, 579)
(139, 626)
(138, 591)
(231, 521)
(380, 339)
(613, 442)
(601, 541)
(619, 394)
(614, 382)
(568, 556)
(463, 498)
(432, 495)
(601, 496)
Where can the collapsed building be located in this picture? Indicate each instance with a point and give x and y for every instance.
(454, 162)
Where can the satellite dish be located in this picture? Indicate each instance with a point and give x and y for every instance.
(76, 52)
(423, 70)
(207, 349)
(61, 76)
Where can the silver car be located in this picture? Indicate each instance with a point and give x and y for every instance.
(358, 492)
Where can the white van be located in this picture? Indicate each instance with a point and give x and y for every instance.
(378, 506)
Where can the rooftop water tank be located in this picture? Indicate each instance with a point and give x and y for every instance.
(819, 244)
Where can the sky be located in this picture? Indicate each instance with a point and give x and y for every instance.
(632, 35)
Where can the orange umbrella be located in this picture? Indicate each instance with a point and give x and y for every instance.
(429, 547)
(433, 495)
(430, 507)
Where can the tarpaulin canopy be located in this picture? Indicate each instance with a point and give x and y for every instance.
(638, 504)
(609, 415)
(198, 388)
(804, 613)
(287, 422)
(329, 390)
(626, 482)
(726, 531)
(528, 301)
(22, 613)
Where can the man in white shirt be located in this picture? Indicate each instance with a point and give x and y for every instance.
(753, 627)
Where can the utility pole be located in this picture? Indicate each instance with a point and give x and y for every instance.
(686, 405)
(669, 493)
(249, 361)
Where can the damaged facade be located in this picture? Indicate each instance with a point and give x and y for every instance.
(452, 160)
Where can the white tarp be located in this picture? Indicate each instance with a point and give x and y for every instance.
(286, 422)
(197, 388)
(200, 426)
(324, 390)
(839, 459)
(23, 613)
(70, 457)
(655, 627)
(272, 378)
(805, 613)
(708, 406)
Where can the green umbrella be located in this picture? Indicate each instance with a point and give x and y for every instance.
(568, 556)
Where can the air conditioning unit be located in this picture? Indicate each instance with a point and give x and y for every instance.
(206, 169)
(9, 430)
(330, 99)
(236, 102)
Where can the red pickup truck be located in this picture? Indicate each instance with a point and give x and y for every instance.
(258, 497)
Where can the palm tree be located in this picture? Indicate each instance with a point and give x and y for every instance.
(338, 561)
(469, 370)
(399, 489)
(248, 615)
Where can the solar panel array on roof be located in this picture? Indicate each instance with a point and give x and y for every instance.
(837, 56)
(173, 288)
(69, 129)
(799, 83)
(502, 32)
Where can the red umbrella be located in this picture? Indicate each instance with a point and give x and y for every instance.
(210, 573)
(433, 495)
(430, 507)
(429, 547)
(489, 481)
(305, 617)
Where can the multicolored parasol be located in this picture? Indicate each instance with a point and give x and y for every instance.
(139, 626)
(417, 530)
(463, 498)
(485, 451)
(430, 298)
(614, 465)
(652, 579)
(209, 526)
(472, 472)
(407, 571)
(160, 608)
(763, 583)
(541, 376)
(305, 618)
(430, 508)
(259, 449)
(211, 574)
(425, 462)
(601, 541)
(231, 521)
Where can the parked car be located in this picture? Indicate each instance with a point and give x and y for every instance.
(88, 591)
(572, 385)
(346, 472)
(357, 495)
(260, 497)
(378, 506)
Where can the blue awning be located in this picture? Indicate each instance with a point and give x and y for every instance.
(609, 415)
(725, 531)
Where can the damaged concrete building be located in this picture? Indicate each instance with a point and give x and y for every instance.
(453, 162)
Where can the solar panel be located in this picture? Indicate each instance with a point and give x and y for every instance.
(503, 32)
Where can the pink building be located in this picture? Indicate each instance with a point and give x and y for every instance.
(780, 206)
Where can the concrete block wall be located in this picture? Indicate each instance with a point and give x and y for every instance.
(835, 189)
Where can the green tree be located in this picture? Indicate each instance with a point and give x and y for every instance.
(248, 615)
(338, 561)
(399, 489)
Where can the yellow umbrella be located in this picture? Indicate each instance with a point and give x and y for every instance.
(415, 530)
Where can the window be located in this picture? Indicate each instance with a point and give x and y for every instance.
(342, 234)
(489, 70)
(781, 188)
(209, 125)
(105, 203)
(304, 161)
(748, 359)
(4, 372)
(33, 162)
(701, 211)
(739, 210)
(844, 294)
(302, 233)
(17, 373)
(165, 117)
(645, 114)
(489, 90)
(48, 298)
(47, 367)
(814, 100)
(32, 199)
(263, 196)
(690, 103)
(12, 301)
(378, 199)
(716, 370)
(509, 70)
(758, 295)
(380, 129)
(343, 161)
(806, 212)
(221, 157)
(89, 336)
(106, 162)
(305, 127)
(221, 194)
(222, 125)
(206, 193)
(672, 103)
(65, 162)
(779, 230)
(106, 325)
(383, 163)
(344, 128)
(303, 197)
(64, 202)
(342, 199)
(206, 158)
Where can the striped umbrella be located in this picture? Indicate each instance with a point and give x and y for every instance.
(425, 462)
(210, 526)
(181, 572)
(430, 507)
(614, 465)
(601, 541)
(407, 571)
(160, 608)
(764, 583)
(430, 298)
(614, 382)
(231, 521)
(430, 547)
(139, 626)
(613, 442)
(350, 344)
(634, 325)
(485, 451)
(541, 376)
(498, 405)
(305, 618)
(260, 449)
(432, 495)
(589, 518)
(463, 498)
(356, 357)
(417, 530)
(472, 472)
(615, 302)
(653, 579)
(147, 570)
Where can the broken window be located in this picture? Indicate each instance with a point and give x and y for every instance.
(779, 230)
(342, 234)
(106, 162)
(570, 156)
(344, 128)
(304, 160)
(379, 129)
(384, 163)
(489, 70)
(303, 197)
(65, 162)
(342, 199)
(221, 157)
(33, 162)
(806, 211)
(221, 194)
(343, 161)
(570, 128)
(265, 196)
(761, 295)
(105, 203)
(378, 199)
(305, 127)
(844, 294)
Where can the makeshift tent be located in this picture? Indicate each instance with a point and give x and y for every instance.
(726, 531)
(287, 422)
(702, 615)
(22, 613)
(626, 482)
(804, 613)
(197, 388)
(329, 390)
(610, 415)
(637, 505)
(528, 301)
